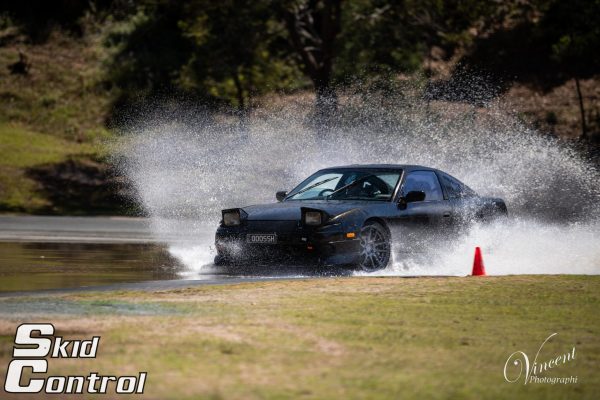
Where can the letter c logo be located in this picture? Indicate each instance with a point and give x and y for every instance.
(15, 371)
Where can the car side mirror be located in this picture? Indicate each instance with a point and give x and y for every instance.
(281, 195)
(411, 197)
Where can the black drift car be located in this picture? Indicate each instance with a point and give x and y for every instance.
(347, 216)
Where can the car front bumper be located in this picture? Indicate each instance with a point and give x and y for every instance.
(323, 245)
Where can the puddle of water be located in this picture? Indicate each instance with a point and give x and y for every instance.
(45, 306)
(37, 266)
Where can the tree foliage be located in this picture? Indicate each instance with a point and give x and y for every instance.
(542, 43)
(229, 51)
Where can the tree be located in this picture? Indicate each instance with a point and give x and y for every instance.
(218, 53)
(313, 26)
(148, 50)
(573, 31)
(234, 57)
(543, 44)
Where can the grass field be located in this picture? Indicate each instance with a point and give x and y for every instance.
(22, 150)
(51, 114)
(332, 338)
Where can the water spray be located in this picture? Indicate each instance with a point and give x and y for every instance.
(185, 174)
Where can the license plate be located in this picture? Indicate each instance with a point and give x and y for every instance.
(262, 238)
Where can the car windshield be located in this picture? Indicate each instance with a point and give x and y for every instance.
(348, 184)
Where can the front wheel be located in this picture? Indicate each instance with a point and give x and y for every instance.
(375, 247)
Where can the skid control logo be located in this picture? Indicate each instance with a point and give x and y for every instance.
(36, 346)
(519, 366)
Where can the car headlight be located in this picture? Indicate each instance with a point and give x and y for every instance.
(313, 218)
(232, 218)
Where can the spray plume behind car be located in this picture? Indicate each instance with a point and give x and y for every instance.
(185, 173)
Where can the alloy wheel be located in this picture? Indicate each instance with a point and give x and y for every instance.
(375, 247)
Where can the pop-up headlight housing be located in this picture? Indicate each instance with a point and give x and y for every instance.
(312, 217)
(233, 217)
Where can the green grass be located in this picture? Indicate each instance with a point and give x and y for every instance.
(22, 149)
(55, 111)
(62, 93)
(350, 338)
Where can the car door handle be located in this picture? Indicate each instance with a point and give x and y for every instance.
(446, 215)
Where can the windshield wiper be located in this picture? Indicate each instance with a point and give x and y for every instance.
(354, 182)
(314, 186)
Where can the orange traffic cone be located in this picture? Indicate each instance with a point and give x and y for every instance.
(478, 268)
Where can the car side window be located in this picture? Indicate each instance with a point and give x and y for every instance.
(455, 189)
(423, 181)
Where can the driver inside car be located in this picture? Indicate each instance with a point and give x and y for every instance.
(370, 188)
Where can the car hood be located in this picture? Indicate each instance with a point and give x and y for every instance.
(290, 210)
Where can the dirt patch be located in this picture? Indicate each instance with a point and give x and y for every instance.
(557, 111)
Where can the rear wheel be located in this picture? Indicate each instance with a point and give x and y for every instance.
(375, 247)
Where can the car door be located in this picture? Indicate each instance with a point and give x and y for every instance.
(433, 213)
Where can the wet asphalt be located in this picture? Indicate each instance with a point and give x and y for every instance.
(48, 255)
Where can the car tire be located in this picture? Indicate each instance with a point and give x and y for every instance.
(375, 247)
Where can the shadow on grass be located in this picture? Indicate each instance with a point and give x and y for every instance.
(83, 186)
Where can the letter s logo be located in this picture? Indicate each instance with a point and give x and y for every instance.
(14, 372)
(23, 337)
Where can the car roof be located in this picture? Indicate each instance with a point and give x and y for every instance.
(405, 167)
